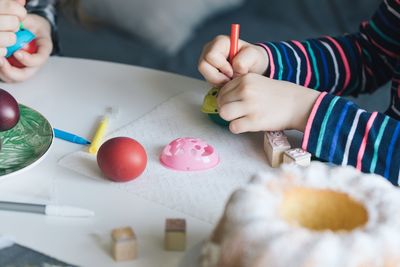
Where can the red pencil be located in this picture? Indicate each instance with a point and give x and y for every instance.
(235, 28)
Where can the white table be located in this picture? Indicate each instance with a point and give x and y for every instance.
(72, 94)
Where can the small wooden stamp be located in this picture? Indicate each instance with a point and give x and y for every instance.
(297, 156)
(275, 143)
(175, 234)
(124, 244)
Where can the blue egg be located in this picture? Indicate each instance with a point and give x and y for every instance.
(23, 37)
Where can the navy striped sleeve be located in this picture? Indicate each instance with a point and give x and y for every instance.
(338, 131)
(47, 10)
(345, 65)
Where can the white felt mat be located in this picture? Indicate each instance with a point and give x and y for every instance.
(201, 194)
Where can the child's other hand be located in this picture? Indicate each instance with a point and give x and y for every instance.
(215, 67)
(41, 28)
(256, 103)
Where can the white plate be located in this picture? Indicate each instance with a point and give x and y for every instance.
(26, 144)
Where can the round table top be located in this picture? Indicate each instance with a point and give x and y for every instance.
(72, 94)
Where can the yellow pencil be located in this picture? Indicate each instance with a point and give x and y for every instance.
(98, 137)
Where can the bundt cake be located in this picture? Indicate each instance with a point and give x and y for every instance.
(315, 216)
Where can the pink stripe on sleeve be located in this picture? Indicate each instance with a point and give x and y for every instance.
(308, 76)
(364, 140)
(311, 119)
(271, 60)
(345, 63)
(358, 47)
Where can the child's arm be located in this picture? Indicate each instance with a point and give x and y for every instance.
(339, 132)
(349, 64)
(335, 129)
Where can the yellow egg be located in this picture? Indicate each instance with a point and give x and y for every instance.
(210, 105)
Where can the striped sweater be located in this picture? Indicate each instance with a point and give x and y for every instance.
(338, 131)
(47, 10)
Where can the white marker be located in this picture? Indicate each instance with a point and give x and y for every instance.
(51, 210)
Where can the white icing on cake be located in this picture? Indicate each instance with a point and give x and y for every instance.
(252, 232)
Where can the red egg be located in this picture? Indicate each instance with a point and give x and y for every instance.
(9, 111)
(30, 47)
(122, 159)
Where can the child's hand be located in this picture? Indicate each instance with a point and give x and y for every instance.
(41, 28)
(215, 67)
(256, 103)
(12, 12)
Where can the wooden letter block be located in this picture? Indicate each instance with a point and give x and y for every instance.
(175, 234)
(275, 143)
(297, 156)
(124, 244)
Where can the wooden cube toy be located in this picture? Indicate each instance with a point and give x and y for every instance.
(297, 156)
(124, 244)
(175, 234)
(275, 143)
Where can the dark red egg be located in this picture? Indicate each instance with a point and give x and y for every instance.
(9, 111)
(30, 47)
(122, 159)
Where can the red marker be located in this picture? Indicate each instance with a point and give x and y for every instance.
(235, 28)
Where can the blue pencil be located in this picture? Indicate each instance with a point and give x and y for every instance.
(70, 137)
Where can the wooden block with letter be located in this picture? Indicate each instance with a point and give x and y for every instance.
(175, 234)
(297, 156)
(124, 244)
(275, 143)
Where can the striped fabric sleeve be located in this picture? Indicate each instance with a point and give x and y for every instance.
(341, 133)
(345, 65)
(47, 10)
